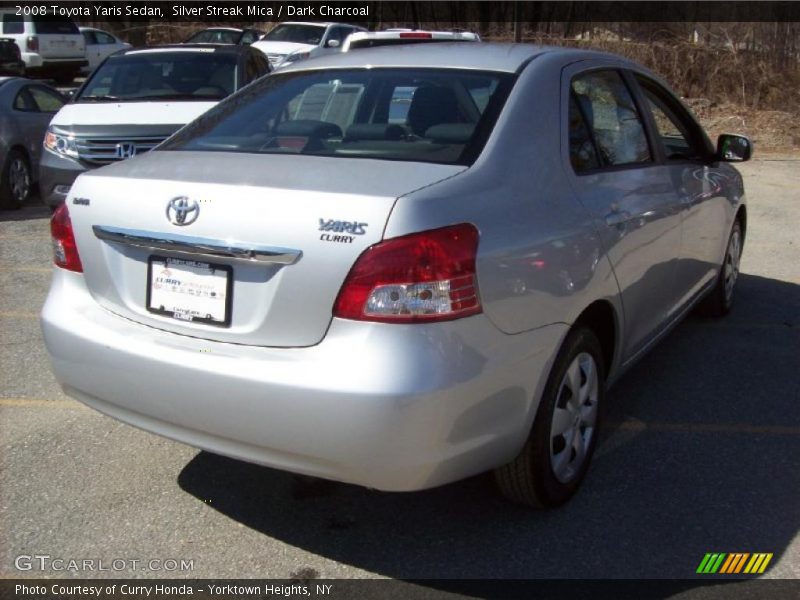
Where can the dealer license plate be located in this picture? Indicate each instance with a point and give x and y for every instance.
(189, 290)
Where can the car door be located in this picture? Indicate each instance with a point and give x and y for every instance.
(618, 178)
(35, 106)
(701, 186)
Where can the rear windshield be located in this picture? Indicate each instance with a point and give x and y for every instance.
(215, 36)
(196, 75)
(428, 115)
(52, 25)
(299, 34)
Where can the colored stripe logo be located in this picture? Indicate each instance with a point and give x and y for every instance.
(734, 562)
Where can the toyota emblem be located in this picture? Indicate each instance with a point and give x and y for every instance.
(182, 211)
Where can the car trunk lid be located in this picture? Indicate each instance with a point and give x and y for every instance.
(304, 221)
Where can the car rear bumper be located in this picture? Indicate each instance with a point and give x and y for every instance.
(56, 176)
(394, 407)
(36, 63)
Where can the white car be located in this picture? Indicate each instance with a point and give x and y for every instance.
(100, 45)
(50, 46)
(391, 37)
(290, 42)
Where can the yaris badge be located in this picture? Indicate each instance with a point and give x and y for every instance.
(182, 211)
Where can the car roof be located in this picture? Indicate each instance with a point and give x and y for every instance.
(456, 55)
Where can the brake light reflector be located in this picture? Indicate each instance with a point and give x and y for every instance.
(65, 252)
(417, 34)
(422, 277)
(32, 43)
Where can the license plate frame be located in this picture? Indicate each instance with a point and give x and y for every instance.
(191, 266)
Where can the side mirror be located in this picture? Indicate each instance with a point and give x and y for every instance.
(332, 43)
(733, 148)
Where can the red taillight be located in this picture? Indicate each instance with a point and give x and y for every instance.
(416, 34)
(65, 252)
(32, 44)
(428, 276)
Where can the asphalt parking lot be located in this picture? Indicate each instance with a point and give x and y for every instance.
(699, 454)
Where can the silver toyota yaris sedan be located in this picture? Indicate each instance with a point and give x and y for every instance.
(398, 267)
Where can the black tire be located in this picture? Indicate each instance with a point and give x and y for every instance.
(15, 181)
(719, 301)
(530, 479)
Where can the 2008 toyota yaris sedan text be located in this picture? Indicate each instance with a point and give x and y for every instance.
(398, 267)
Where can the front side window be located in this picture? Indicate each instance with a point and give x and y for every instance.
(612, 117)
(162, 76)
(424, 115)
(678, 136)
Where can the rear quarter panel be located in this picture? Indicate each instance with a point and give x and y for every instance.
(540, 260)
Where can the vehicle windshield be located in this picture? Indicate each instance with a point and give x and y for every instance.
(428, 115)
(162, 76)
(215, 36)
(52, 25)
(300, 34)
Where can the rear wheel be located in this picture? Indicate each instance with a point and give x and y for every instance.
(555, 458)
(719, 301)
(15, 181)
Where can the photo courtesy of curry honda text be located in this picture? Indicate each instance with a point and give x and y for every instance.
(398, 275)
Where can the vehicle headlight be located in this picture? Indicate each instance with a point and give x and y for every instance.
(61, 144)
(295, 56)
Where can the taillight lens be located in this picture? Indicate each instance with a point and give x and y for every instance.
(65, 252)
(32, 44)
(422, 277)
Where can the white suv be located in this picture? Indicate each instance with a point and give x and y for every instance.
(50, 46)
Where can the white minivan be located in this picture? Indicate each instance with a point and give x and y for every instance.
(50, 46)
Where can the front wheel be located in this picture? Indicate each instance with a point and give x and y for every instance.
(556, 456)
(719, 301)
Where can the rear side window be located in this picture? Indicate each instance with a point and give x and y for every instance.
(426, 115)
(46, 101)
(582, 152)
(53, 25)
(13, 24)
(104, 38)
(612, 117)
